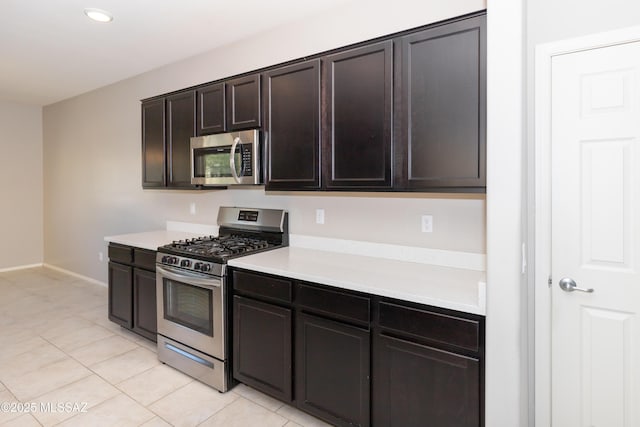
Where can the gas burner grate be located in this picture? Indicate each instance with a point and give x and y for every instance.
(222, 246)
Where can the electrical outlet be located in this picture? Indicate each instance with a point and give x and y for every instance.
(319, 216)
(100, 256)
(192, 208)
(427, 223)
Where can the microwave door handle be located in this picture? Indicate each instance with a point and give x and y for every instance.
(232, 159)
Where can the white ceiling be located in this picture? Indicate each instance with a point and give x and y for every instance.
(50, 51)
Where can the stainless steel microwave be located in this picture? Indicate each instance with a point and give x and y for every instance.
(226, 158)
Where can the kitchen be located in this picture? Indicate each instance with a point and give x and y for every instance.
(90, 182)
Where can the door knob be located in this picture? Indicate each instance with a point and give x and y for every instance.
(567, 284)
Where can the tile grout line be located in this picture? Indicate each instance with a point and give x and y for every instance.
(37, 287)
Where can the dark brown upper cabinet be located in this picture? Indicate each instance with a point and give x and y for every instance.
(229, 106)
(442, 113)
(211, 117)
(243, 103)
(357, 138)
(406, 112)
(168, 123)
(153, 144)
(292, 126)
(181, 126)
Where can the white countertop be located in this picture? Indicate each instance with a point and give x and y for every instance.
(153, 239)
(446, 287)
(371, 268)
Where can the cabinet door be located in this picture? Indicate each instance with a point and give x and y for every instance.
(332, 370)
(144, 303)
(292, 125)
(443, 107)
(181, 126)
(262, 346)
(153, 148)
(120, 292)
(243, 103)
(211, 110)
(357, 149)
(417, 385)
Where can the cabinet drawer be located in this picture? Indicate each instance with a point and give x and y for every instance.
(336, 303)
(119, 253)
(448, 329)
(144, 258)
(262, 286)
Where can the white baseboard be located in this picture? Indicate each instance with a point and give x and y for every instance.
(79, 276)
(20, 267)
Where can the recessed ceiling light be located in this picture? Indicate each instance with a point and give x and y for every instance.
(98, 14)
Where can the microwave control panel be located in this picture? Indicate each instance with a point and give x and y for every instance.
(247, 160)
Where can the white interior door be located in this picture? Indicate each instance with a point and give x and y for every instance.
(595, 241)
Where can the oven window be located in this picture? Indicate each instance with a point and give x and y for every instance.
(213, 162)
(189, 306)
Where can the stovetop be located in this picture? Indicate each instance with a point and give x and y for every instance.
(208, 254)
(217, 249)
(243, 231)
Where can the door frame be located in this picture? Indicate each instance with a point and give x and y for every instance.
(544, 54)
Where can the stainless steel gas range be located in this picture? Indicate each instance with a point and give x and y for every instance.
(191, 279)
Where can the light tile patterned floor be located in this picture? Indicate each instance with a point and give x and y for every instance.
(63, 363)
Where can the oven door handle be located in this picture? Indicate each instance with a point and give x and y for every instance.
(208, 282)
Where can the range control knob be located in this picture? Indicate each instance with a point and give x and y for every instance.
(169, 260)
(197, 265)
(185, 263)
(205, 267)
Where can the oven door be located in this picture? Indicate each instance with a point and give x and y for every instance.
(191, 309)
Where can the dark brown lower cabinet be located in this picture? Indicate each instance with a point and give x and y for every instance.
(332, 370)
(262, 346)
(120, 294)
(145, 314)
(417, 385)
(359, 359)
(132, 289)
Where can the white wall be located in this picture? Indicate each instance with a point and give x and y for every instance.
(20, 185)
(506, 332)
(550, 20)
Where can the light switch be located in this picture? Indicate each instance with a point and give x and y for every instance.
(319, 216)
